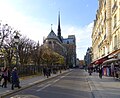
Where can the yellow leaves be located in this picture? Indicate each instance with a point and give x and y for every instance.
(51, 57)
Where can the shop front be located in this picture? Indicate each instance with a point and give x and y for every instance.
(111, 67)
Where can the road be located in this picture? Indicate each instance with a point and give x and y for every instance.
(70, 85)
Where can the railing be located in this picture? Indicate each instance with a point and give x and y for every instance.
(28, 70)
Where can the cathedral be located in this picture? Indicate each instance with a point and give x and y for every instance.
(63, 46)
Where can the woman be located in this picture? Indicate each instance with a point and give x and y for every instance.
(5, 76)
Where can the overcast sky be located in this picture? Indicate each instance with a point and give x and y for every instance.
(34, 18)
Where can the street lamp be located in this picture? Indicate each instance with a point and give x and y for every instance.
(16, 40)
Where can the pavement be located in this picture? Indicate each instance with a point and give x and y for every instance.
(27, 82)
(107, 87)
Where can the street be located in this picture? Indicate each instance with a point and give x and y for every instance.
(74, 84)
(71, 85)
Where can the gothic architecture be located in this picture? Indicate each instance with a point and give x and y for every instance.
(64, 46)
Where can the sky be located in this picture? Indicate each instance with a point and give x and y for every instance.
(33, 18)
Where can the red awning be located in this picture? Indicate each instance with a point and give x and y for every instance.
(101, 60)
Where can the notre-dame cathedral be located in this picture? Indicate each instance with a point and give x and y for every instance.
(64, 46)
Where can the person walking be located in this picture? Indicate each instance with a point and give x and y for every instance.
(100, 73)
(5, 76)
(1, 77)
(44, 71)
(15, 79)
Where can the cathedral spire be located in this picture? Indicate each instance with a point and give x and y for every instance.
(51, 27)
(59, 28)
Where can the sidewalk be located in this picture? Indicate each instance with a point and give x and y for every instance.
(107, 87)
(27, 82)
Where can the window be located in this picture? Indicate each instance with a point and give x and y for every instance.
(104, 2)
(115, 21)
(115, 42)
(50, 42)
(119, 14)
(103, 50)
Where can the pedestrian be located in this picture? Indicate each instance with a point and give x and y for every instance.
(44, 71)
(1, 78)
(9, 76)
(5, 76)
(15, 79)
(100, 73)
(47, 72)
(90, 70)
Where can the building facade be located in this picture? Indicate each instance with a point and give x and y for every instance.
(106, 29)
(64, 46)
(88, 57)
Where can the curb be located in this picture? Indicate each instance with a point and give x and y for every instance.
(88, 81)
(32, 84)
(94, 91)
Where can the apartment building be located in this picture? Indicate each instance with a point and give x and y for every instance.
(106, 30)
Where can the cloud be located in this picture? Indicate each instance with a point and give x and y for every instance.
(36, 30)
(83, 37)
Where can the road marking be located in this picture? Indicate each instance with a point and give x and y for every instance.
(62, 76)
(41, 85)
(43, 88)
(31, 83)
(56, 80)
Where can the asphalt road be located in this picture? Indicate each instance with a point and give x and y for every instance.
(70, 85)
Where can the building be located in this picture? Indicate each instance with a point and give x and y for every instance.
(88, 57)
(106, 30)
(64, 46)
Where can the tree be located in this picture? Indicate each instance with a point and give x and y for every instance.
(51, 58)
(5, 31)
(25, 50)
(7, 45)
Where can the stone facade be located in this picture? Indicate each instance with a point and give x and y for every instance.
(106, 29)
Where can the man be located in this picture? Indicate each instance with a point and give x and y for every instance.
(100, 73)
(15, 79)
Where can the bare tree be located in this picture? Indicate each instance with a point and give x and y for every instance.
(5, 30)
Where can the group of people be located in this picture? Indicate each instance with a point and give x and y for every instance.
(90, 70)
(46, 71)
(9, 76)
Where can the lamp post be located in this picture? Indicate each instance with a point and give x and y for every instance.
(16, 40)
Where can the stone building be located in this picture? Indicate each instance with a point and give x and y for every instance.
(64, 46)
(106, 30)
(88, 57)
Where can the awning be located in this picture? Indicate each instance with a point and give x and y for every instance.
(101, 60)
(110, 61)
